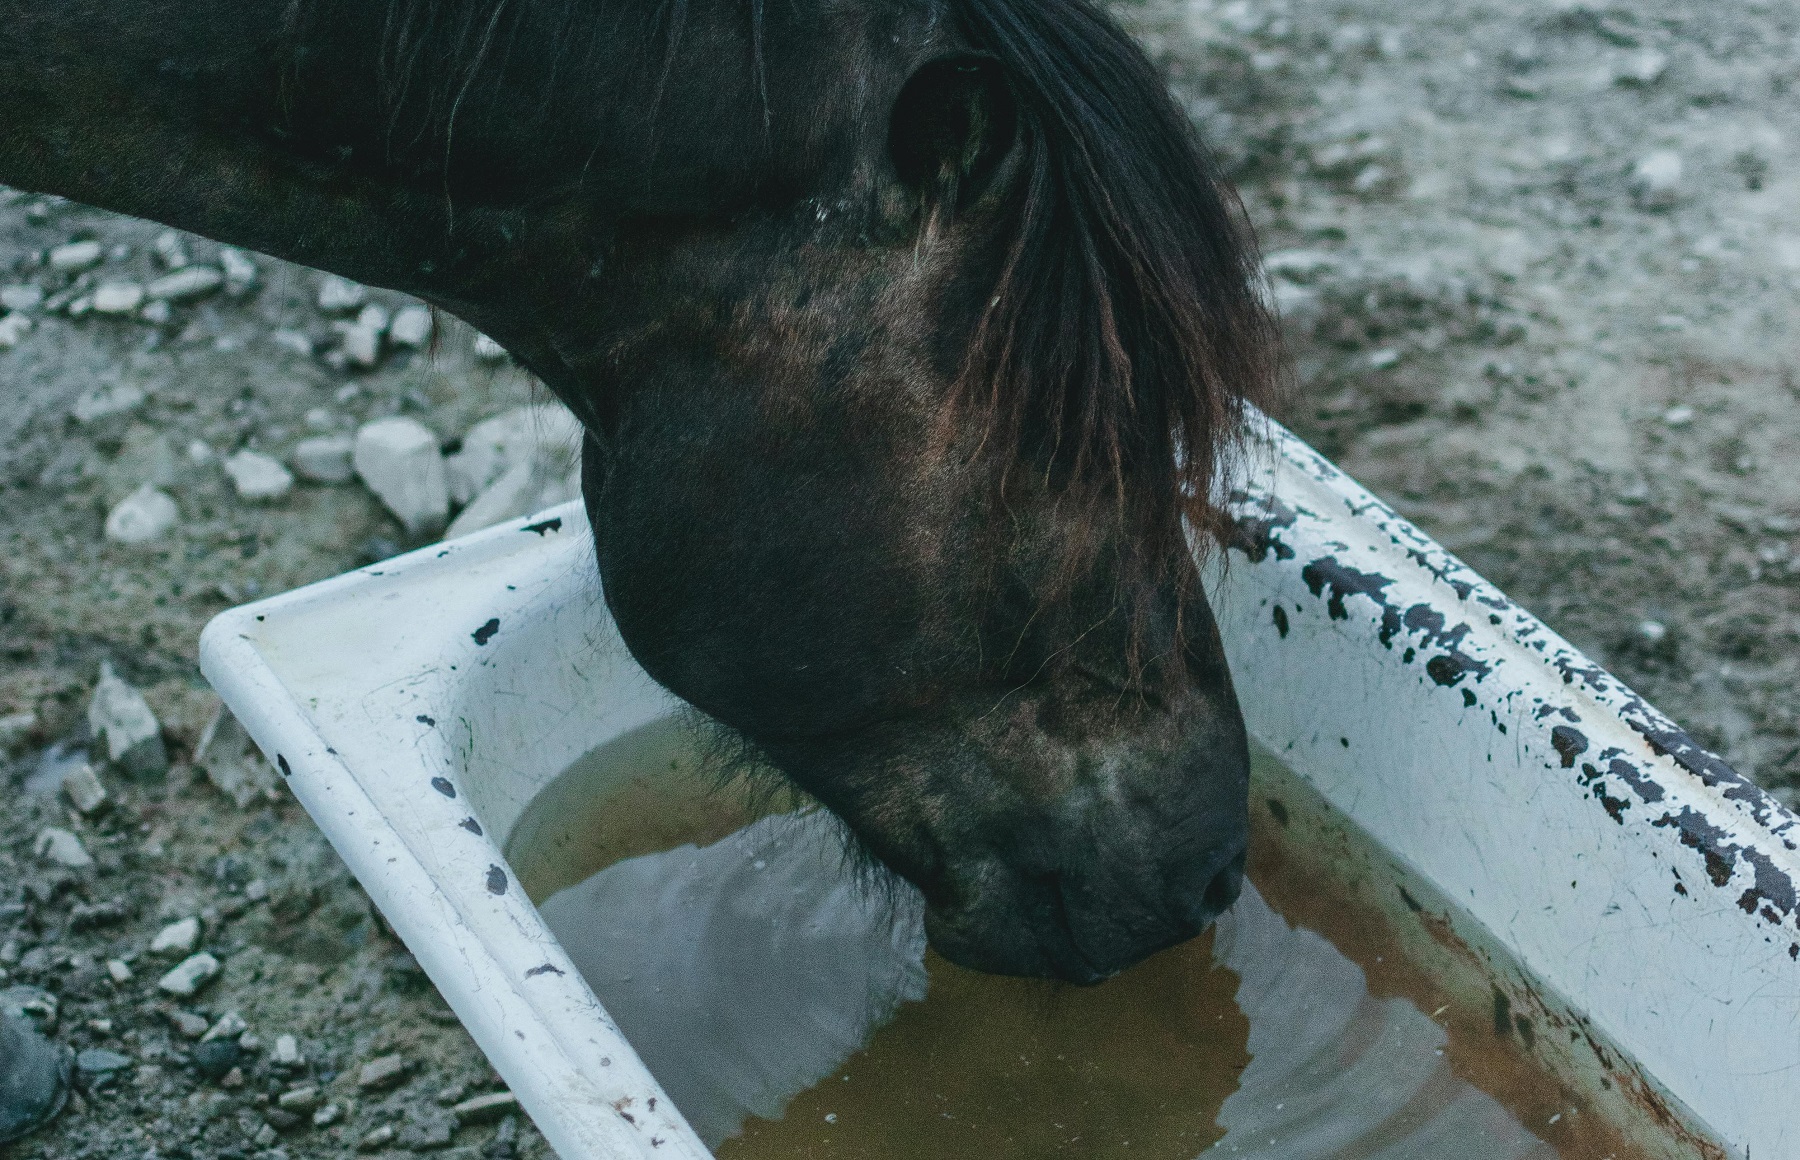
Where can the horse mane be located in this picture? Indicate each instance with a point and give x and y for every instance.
(1126, 337)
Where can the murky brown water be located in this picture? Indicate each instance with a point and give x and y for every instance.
(780, 1004)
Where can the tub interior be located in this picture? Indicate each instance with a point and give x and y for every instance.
(1308, 1024)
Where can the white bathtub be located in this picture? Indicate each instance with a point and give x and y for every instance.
(1549, 847)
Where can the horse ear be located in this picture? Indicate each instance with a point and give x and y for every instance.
(953, 123)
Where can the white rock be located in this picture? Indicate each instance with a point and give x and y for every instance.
(398, 459)
(230, 1026)
(200, 452)
(293, 340)
(1678, 416)
(23, 296)
(80, 307)
(412, 326)
(61, 847)
(324, 459)
(287, 1051)
(340, 295)
(362, 345)
(1656, 180)
(83, 789)
(177, 939)
(527, 487)
(240, 270)
(487, 350)
(76, 256)
(100, 402)
(15, 727)
(189, 975)
(169, 250)
(373, 317)
(233, 763)
(258, 477)
(495, 445)
(119, 716)
(144, 515)
(13, 329)
(118, 971)
(185, 284)
(156, 313)
(1643, 68)
(117, 297)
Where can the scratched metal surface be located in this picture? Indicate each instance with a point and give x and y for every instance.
(1635, 874)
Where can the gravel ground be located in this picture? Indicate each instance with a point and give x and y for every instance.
(1540, 265)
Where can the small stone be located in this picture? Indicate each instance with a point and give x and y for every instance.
(231, 1025)
(1656, 180)
(282, 1120)
(304, 1098)
(340, 295)
(398, 459)
(100, 402)
(119, 716)
(118, 971)
(492, 447)
(1652, 632)
(527, 487)
(190, 975)
(379, 1138)
(169, 250)
(328, 1115)
(232, 762)
(21, 296)
(426, 1128)
(117, 297)
(76, 257)
(256, 890)
(156, 313)
(412, 326)
(187, 1024)
(177, 941)
(287, 1052)
(239, 268)
(100, 1026)
(1678, 416)
(16, 728)
(61, 848)
(265, 1137)
(233, 1078)
(96, 1061)
(13, 329)
(1641, 69)
(324, 459)
(83, 789)
(249, 1041)
(258, 477)
(481, 1109)
(383, 1072)
(453, 1094)
(185, 285)
(294, 341)
(487, 350)
(217, 1058)
(144, 515)
(362, 346)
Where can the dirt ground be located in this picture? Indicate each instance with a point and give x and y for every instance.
(1540, 268)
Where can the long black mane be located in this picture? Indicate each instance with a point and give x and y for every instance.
(1126, 334)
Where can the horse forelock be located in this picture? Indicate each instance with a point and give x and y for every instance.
(1126, 335)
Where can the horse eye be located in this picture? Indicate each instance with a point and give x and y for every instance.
(952, 123)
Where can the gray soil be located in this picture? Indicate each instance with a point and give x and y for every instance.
(1540, 267)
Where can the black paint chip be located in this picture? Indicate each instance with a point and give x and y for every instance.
(282, 764)
(425, 720)
(553, 524)
(471, 825)
(1281, 621)
(486, 632)
(443, 786)
(545, 969)
(496, 880)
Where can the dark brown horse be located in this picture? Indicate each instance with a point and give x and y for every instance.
(908, 335)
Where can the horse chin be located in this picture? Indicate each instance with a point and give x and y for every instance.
(1019, 951)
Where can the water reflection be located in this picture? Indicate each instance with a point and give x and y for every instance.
(792, 1012)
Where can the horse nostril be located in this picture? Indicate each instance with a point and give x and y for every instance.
(1223, 890)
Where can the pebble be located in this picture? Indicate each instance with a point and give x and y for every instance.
(362, 346)
(257, 477)
(1642, 69)
(117, 297)
(119, 715)
(156, 313)
(398, 459)
(144, 515)
(57, 845)
(1652, 632)
(483, 1108)
(178, 939)
(1656, 180)
(381, 1137)
(232, 762)
(101, 402)
(382, 1072)
(97, 1061)
(495, 445)
(215, 1059)
(240, 270)
(304, 1098)
(75, 257)
(324, 459)
(185, 285)
(287, 1052)
(1678, 416)
(340, 295)
(487, 350)
(21, 296)
(16, 727)
(118, 971)
(187, 1024)
(190, 975)
(83, 789)
(169, 250)
(426, 1128)
(13, 329)
(292, 340)
(328, 1115)
(412, 326)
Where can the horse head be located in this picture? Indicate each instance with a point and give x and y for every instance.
(910, 337)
